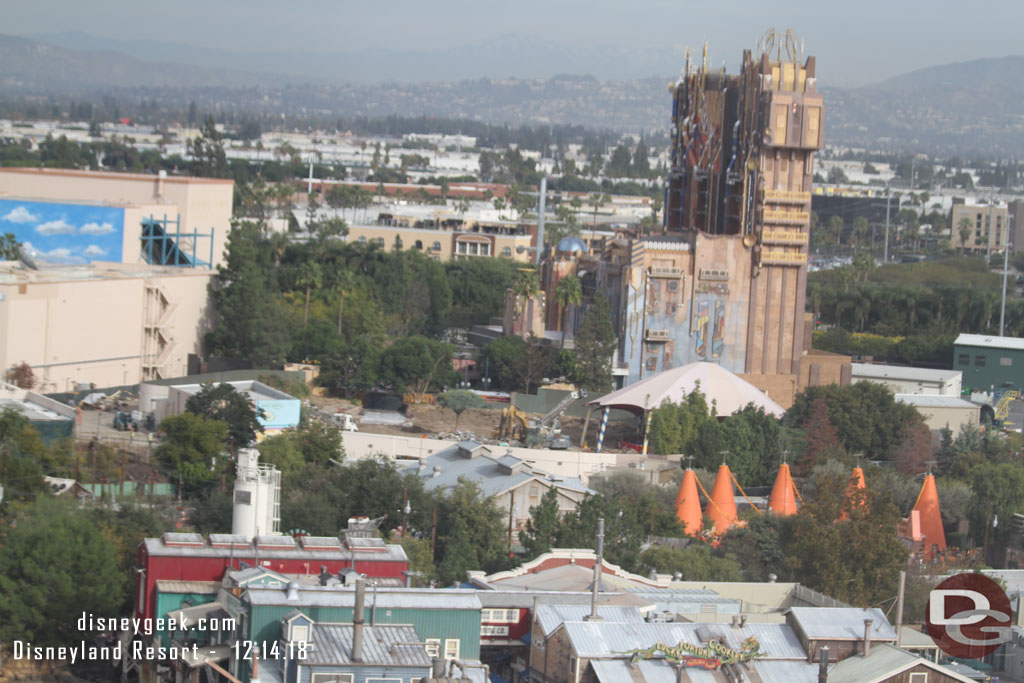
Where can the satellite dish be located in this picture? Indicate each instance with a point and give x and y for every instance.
(25, 257)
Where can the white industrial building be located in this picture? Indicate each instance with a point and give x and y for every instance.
(903, 379)
(944, 411)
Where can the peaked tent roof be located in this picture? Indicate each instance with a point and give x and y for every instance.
(927, 506)
(722, 506)
(782, 502)
(688, 503)
(730, 393)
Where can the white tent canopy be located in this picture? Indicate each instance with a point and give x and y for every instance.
(730, 393)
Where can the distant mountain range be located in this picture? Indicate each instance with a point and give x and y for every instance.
(965, 108)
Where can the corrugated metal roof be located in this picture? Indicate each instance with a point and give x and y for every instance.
(924, 401)
(904, 372)
(205, 587)
(842, 623)
(990, 341)
(344, 596)
(382, 645)
(597, 639)
(884, 662)
(484, 470)
(232, 539)
(391, 552)
(551, 617)
(785, 672)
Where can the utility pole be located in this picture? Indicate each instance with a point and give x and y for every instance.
(1006, 272)
(888, 194)
(541, 208)
(988, 233)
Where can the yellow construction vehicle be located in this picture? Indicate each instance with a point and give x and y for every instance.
(513, 424)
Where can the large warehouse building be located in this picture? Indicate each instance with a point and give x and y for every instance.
(112, 285)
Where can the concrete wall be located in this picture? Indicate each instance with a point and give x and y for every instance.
(94, 330)
(570, 463)
(939, 417)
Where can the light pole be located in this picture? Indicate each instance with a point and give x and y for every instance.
(1006, 271)
(406, 508)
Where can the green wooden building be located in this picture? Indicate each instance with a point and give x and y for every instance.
(989, 363)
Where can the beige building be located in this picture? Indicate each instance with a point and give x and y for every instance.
(989, 226)
(944, 411)
(108, 324)
(197, 210)
(444, 235)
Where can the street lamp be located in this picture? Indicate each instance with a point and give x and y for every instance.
(406, 508)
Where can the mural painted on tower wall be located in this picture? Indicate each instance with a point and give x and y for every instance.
(65, 233)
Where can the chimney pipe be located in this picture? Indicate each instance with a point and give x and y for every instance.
(324, 575)
(823, 665)
(867, 637)
(598, 560)
(357, 620)
(743, 621)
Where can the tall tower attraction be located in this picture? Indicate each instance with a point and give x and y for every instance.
(739, 191)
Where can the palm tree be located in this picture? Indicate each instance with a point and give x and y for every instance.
(525, 285)
(963, 228)
(346, 281)
(567, 291)
(310, 276)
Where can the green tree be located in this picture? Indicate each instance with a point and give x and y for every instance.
(541, 530)
(835, 228)
(207, 152)
(55, 565)
(998, 494)
(459, 401)
(856, 559)
(419, 363)
(567, 292)
(482, 524)
(249, 320)
(963, 228)
(9, 247)
(836, 176)
(221, 402)
(525, 286)
(595, 344)
(503, 357)
(191, 449)
(695, 563)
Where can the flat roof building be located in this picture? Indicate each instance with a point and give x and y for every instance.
(903, 379)
(989, 362)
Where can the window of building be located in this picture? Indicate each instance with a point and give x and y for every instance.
(573, 665)
(474, 248)
(485, 250)
(300, 634)
(979, 361)
(362, 239)
(463, 248)
(436, 246)
(380, 241)
(1006, 362)
(451, 648)
(419, 244)
(506, 251)
(332, 678)
(433, 647)
(918, 677)
(965, 359)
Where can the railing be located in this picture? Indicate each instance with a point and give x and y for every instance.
(714, 274)
(784, 257)
(784, 237)
(666, 272)
(775, 216)
(659, 335)
(787, 196)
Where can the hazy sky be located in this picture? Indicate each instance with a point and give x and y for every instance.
(855, 42)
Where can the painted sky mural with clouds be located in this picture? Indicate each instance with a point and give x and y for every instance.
(65, 233)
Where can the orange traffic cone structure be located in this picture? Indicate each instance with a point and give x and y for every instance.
(688, 504)
(722, 506)
(927, 506)
(782, 502)
(855, 486)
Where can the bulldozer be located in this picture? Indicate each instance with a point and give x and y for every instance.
(515, 424)
(512, 426)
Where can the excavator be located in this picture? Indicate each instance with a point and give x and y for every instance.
(515, 424)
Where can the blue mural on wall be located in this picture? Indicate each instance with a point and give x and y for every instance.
(65, 233)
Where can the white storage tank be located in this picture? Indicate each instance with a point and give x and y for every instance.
(257, 497)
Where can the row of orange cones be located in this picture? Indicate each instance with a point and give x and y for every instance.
(721, 506)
